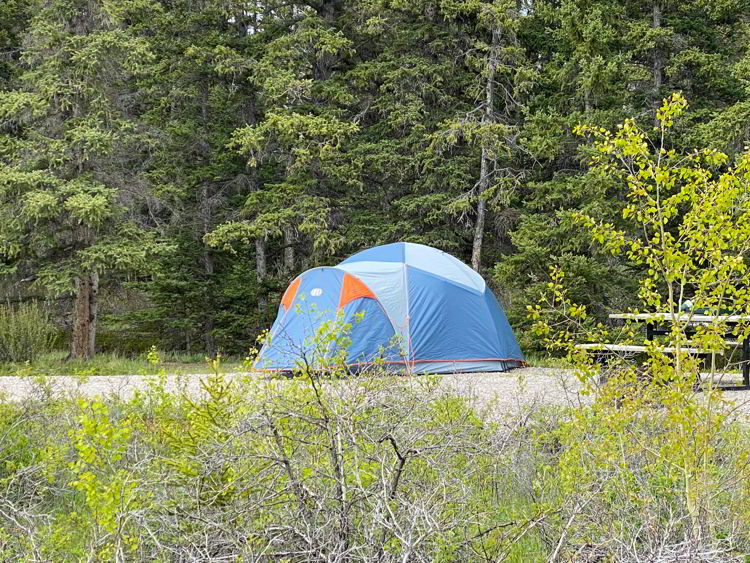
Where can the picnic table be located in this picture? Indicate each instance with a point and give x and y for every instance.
(654, 322)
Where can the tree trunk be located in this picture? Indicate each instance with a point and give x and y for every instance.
(208, 269)
(587, 100)
(485, 172)
(476, 248)
(93, 311)
(288, 250)
(208, 325)
(658, 58)
(260, 276)
(83, 340)
(205, 211)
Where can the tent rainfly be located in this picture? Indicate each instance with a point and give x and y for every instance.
(413, 307)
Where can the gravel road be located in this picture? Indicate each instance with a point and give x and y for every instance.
(518, 387)
(500, 392)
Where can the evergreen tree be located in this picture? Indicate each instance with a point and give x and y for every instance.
(257, 139)
(294, 145)
(503, 79)
(198, 92)
(67, 215)
(14, 15)
(413, 78)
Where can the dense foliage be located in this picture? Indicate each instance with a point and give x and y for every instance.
(376, 468)
(692, 235)
(178, 162)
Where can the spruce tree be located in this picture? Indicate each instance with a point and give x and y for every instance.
(65, 204)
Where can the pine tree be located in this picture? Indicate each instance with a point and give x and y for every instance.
(412, 77)
(503, 77)
(64, 202)
(294, 145)
(14, 16)
(198, 92)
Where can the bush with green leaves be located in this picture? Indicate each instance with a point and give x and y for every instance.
(26, 332)
(651, 469)
(320, 466)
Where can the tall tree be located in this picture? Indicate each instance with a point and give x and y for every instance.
(293, 142)
(600, 61)
(504, 78)
(63, 186)
(14, 15)
(417, 72)
(199, 92)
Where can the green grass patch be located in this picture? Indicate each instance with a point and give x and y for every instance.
(54, 363)
(547, 361)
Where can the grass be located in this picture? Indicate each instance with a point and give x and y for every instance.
(113, 364)
(54, 363)
(547, 361)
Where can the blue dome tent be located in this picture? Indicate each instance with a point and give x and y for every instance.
(411, 306)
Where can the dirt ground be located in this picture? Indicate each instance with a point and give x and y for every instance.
(502, 393)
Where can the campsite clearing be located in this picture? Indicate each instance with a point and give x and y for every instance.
(503, 393)
(511, 390)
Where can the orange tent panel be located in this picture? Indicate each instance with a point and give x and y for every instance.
(290, 293)
(353, 288)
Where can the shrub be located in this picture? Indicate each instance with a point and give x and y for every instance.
(650, 468)
(25, 332)
(317, 467)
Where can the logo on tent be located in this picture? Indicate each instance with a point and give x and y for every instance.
(316, 292)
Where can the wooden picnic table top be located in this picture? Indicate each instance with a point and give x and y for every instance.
(695, 318)
(636, 348)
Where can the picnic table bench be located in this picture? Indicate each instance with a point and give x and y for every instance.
(653, 328)
(634, 348)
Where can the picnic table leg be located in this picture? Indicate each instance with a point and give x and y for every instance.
(746, 362)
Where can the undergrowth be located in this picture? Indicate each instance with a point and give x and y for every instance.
(316, 467)
(55, 363)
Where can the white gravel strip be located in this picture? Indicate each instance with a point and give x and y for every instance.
(501, 393)
(511, 390)
(518, 390)
(122, 386)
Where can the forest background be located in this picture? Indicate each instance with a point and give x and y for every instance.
(167, 167)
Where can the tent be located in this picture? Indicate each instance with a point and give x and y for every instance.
(410, 306)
